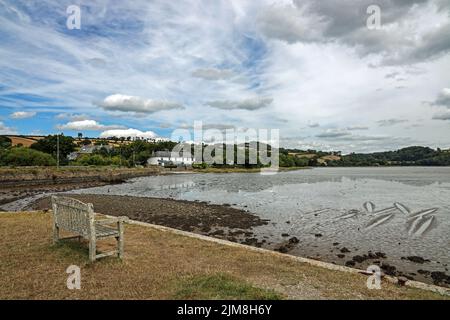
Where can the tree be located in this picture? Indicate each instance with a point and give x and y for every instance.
(48, 145)
(5, 142)
(80, 135)
(100, 143)
(301, 162)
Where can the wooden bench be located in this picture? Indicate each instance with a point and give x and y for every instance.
(79, 218)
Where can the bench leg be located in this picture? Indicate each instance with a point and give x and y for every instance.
(55, 226)
(120, 240)
(92, 249)
(55, 234)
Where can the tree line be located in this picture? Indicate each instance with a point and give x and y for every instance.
(410, 156)
(44, 153)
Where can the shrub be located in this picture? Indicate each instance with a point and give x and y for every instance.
(92, 160)
(99, 160)
(202, 165)
(20, 156)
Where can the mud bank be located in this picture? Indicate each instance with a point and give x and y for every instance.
(220, 221)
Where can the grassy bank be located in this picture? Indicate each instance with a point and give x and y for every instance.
(164, 265)
(9, 174)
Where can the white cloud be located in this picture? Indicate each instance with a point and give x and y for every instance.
(124, 103)
(213, 74)
(290, 23)
(357, 127)
(246, 104)
(22, 115)
(345, 23)
(333, 133)
(390, 122)
(443, 98)
(6, 130)
(313, 124)
(89, 125)
(72, 116)
(129, 133)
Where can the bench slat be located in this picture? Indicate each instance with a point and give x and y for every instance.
(102, 231)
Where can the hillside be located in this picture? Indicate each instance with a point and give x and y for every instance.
(410, 156)
(25, 141)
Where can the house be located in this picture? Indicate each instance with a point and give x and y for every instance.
(165, 158)
(89, 149)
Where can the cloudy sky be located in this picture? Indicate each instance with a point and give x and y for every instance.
(309, 68)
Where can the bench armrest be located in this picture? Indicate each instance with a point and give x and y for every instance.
(111, 220)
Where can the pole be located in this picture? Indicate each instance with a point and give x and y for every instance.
(57, 151)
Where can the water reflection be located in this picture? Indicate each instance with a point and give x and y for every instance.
(254, 182)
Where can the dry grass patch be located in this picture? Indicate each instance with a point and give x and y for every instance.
(24, 141)
(163, 265)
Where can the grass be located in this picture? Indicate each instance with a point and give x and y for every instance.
(164, 265)
(222, 286)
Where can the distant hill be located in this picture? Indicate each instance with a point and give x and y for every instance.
(410, 156)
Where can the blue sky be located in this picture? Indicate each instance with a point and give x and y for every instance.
(311, 69)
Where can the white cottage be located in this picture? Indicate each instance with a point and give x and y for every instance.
(163, 158)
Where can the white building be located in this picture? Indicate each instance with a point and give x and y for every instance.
(164, 158)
